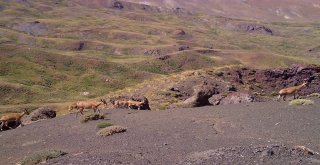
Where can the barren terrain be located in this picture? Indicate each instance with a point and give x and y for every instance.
(204, 135)
(171, 55)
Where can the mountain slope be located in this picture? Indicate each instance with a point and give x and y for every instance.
(61, 50)
(262, 10)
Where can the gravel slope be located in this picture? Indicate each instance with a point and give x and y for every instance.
(257, 133)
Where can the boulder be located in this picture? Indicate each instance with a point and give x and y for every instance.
(183, 47)
(40, 114)
(314, 50)
(180, 32)
(118, 5)
(255, 28)
(201, 95)
(153, 52)
(232, 98)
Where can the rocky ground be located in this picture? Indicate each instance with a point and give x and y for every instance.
(249, 133)
(228, 85)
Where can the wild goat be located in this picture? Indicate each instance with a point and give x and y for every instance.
(135, 104)
(16, 117)
(81, 105)
(289, 91)
(120, 102)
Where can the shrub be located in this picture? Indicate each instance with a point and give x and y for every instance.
(104, 125)
(301, 102)
(111, 130)
(314, 95)
(91, 116)
(42, 156)
(274, 93)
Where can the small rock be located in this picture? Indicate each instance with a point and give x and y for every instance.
(118, 5)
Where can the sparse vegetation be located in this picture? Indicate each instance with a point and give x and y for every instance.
(104, 125)
(274, 93)
(301, 102)
(55, 64)
(111, 130)
(314, 95)
(91, 116)
(42, 156)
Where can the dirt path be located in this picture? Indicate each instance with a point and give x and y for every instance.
(183, 136)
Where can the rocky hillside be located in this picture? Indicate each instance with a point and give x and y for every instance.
(59, 50)
(225, 86)
(261, 10)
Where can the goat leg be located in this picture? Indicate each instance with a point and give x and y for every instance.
(81, 111)
(1, 126)
(77, 113)
(6, 124)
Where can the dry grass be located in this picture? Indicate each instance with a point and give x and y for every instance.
(104, 125)
(111, 130)
(51, 70)
(42, 156)
(91, 116)
(301, 102)
(314, 95)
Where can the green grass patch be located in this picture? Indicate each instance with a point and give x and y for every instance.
(301, 102)
(42, 156)
(91, 116)
(274, 93)
(104, 125)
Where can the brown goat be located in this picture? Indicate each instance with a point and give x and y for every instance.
(81, 105)
(16, 117)
(132, 103)
(120, 102)
(289, 91)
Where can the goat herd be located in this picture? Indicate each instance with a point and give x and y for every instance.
(81, 105)
(131, 104)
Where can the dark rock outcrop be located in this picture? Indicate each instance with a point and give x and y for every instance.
(165, 57)
(314, 50)
(255, 28)
(80, 46)
(249, 28)
(180, 32)
(183, 47)
(242, 85)
(153, 52)
(118, 5)
(40, 114)
(201, 95)
(272, 80)
(232, 98)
